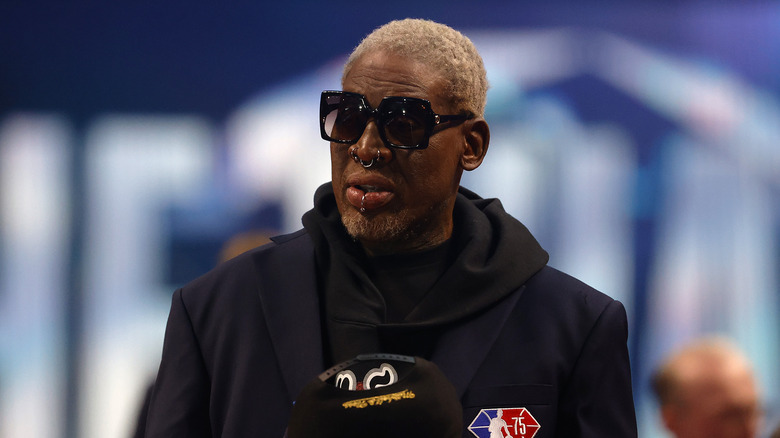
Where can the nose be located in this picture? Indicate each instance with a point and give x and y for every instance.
(370, 147)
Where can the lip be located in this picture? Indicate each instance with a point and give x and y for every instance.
(369, 192)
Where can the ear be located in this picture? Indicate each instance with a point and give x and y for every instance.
(477, 138)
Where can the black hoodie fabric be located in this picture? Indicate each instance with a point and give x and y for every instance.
(491, 255)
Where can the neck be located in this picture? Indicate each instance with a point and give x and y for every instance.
(411, 244)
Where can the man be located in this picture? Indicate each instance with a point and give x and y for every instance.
(707, 389)
(396, 257)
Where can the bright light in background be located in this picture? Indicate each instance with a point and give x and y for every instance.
(34, 174)
(137, 166)
(275, 150)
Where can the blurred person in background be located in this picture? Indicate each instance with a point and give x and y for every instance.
(708, 390)
(395, 257)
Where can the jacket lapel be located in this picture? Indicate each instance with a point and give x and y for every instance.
(288, 296)
(462, 349)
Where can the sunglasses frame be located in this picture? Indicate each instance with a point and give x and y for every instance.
(431, 119)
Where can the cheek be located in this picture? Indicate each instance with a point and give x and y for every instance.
(338, 156)
(441, 169)
(430, 183)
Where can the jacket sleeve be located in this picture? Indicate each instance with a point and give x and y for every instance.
(597, 400)
(179, 405)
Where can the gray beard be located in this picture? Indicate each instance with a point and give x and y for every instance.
(392, 228)
(399, 231)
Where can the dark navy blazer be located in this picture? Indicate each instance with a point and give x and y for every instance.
(243, 340)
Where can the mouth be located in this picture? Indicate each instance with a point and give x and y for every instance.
(369, 197)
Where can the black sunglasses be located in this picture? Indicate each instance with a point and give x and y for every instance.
(403, 122)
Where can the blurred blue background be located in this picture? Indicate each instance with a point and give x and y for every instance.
(638, 141)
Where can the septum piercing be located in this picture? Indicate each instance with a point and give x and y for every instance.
(365, 164)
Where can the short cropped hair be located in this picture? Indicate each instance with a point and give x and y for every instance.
(439, 46)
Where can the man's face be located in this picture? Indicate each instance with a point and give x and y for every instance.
(719, 405)
(403, 202)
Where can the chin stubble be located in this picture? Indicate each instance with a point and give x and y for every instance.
(378, 228)
(398, 227)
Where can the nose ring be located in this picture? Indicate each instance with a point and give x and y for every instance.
(366, 164)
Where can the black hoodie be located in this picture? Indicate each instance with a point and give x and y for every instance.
(490, 255)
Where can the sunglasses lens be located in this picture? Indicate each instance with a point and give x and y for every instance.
(344, 117)
(404, 126)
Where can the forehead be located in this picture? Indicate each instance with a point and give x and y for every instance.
(380, 74)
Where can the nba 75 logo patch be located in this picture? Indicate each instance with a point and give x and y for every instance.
(504, 423)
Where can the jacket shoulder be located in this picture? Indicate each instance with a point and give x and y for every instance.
(246, 272)
(563, 289)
